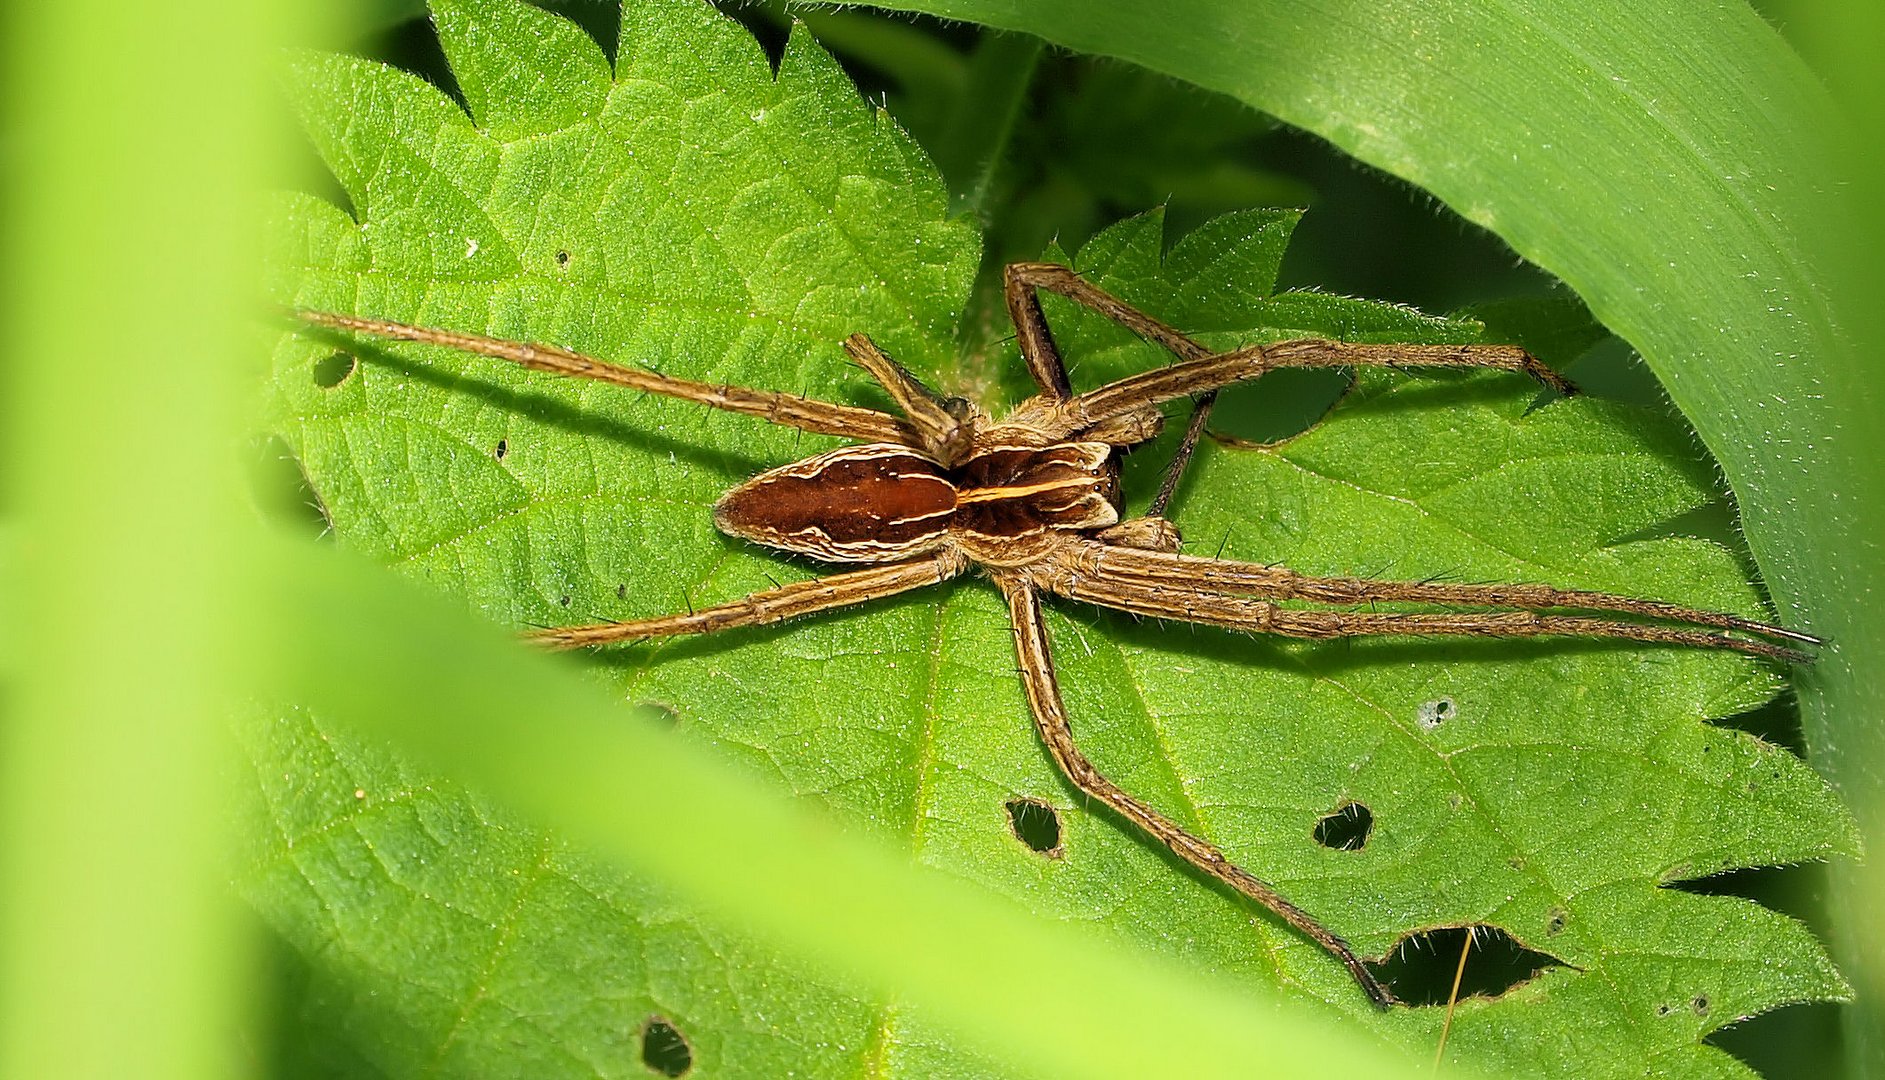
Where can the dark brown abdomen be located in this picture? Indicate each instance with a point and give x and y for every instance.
(874, 503)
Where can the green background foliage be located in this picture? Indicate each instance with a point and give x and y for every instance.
(117, 767)
(706, 218)
(1683, 170)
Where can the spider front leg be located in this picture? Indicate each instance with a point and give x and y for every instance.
(768, 606)
(1020, 282)
(1148, 389)
(1050, 720)
(787, 410)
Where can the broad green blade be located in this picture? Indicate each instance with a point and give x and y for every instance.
(1672, 163)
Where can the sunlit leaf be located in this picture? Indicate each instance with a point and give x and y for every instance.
(692, 212)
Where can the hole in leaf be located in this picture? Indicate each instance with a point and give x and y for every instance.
(1035, 824)
(503, 447)
(621, 591)
(1420, 968)
(282, 489)
(664, 1049)
(562, 258)
(1432, 714)
(563, 600)
(332, 370)
(1770, 886)
(1554, 924)
(1700, 1004)
(1347, 828)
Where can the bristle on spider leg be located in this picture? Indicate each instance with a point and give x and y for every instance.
(1739, 625)
(1770, 630)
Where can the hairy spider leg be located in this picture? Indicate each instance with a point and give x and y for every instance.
(1162, 601)
(1021, 280)
(1019, 284)
(945, 425)
(1056, 732)
(798, 599)
(1115, 562)
(1192, 377)
(787, 410)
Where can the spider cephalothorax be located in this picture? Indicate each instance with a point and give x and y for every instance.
(1033, 499)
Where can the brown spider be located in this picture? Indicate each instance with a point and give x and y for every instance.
(1033, 500)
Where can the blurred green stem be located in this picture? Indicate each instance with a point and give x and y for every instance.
(126, 253)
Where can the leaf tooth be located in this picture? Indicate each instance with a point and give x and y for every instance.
(522, 70)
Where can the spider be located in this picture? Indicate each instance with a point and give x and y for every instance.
(1033, 501)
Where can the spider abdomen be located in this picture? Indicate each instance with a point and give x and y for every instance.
(874, 503)
(882, 501)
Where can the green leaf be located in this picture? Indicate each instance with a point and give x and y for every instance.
(701, 216)
(1684, 170)
(842, 900)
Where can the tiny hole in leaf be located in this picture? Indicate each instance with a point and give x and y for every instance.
(1700, 1004)
(503, 447)
(1035, 824)
(563, 600)
(562, 258)
(332, 370)
(1554, 925)
(1420, 969)
(621, 591)
(1347, 828)
(664, 1049)
(1432, 714)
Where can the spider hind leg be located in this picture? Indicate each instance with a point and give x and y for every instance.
(1056, 732)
